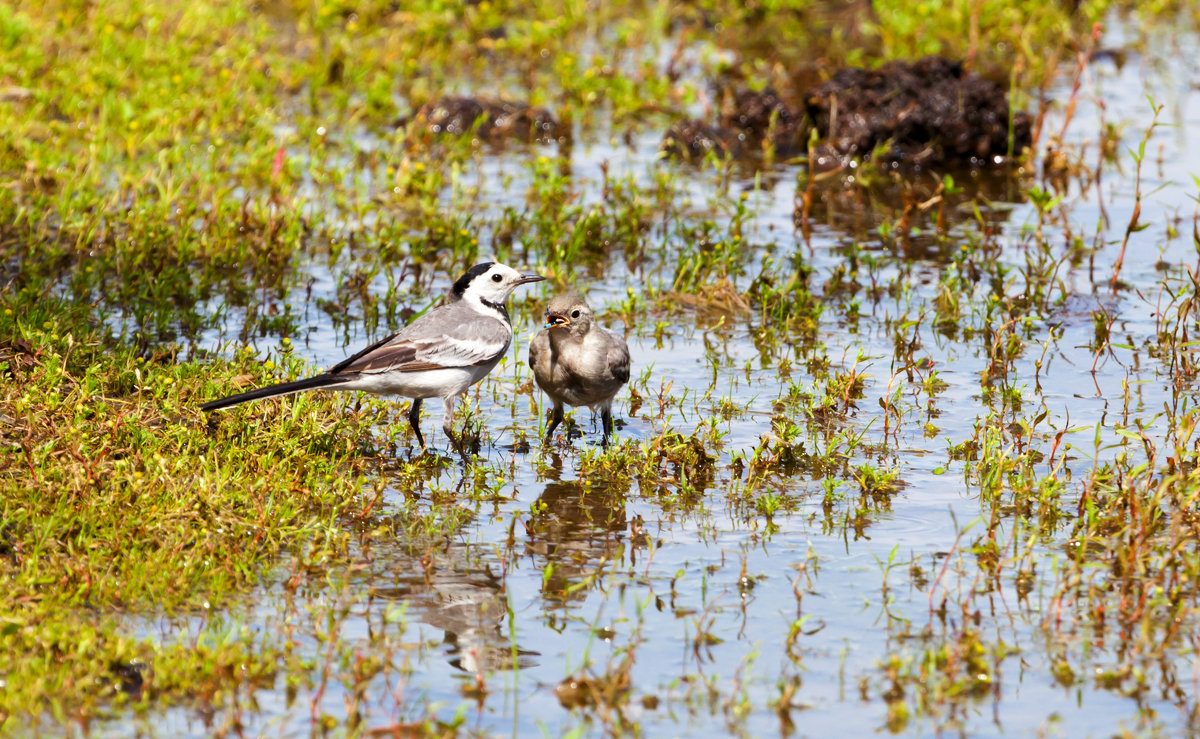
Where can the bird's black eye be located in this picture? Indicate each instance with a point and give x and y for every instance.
(575, 314)
(496, 278)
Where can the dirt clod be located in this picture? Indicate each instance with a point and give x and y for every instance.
(491, 120)
(693, 139)
(916, 115)
(928, 112)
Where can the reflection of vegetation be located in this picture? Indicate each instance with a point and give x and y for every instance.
(941, 682)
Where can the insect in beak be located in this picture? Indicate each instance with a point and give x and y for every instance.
(556, 319)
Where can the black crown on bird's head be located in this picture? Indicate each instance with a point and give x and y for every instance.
(460, 286)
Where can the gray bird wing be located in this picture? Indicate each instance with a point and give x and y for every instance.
(538, 347)
(453, 335)
(618, 357)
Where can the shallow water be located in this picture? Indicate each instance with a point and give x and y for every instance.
(711, 608)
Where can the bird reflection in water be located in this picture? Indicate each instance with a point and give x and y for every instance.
(576, 529)
(456, 590)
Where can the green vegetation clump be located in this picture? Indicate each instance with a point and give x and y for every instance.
(117, 498)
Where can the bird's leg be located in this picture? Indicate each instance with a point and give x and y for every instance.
(556, 417)
(606, 419)
(449, 403)
(414, 420)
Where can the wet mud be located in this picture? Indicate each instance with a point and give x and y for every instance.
(490, 120)
(912, 116)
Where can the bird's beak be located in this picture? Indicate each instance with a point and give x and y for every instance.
(529, 278)
(556, 319)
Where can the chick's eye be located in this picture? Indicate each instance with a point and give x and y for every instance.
(574, 314)
(496, 278)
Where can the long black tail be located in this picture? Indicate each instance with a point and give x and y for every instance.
(271, 391)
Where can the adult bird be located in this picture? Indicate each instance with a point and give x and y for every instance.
(439, 355)
(577, 362)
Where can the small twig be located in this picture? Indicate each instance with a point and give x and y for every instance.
(1134, 222)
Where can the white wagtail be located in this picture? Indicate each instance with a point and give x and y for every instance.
(576, 362)
(439, 355)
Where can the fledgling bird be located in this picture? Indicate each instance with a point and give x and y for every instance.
(439, 355)
(577, 362)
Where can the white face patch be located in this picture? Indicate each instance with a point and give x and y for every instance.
(495, 285)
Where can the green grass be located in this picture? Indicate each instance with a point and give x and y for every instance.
(119, 498)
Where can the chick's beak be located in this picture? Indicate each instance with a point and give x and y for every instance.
(525, 279)
(556, 319)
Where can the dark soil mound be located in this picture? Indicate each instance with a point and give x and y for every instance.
(912, 115)
(928, 112)
(693, 139)
(765, 116)
(748, 120)
(489, 119)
